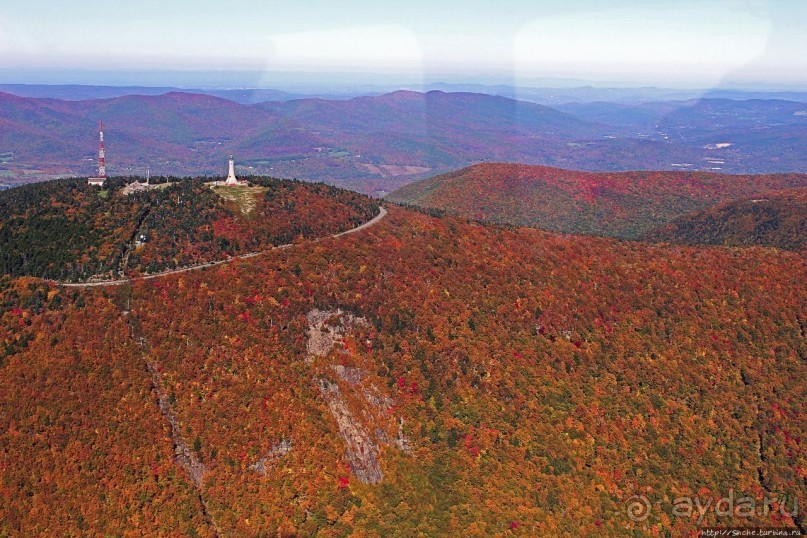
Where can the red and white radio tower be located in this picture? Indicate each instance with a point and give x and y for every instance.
(101, 159)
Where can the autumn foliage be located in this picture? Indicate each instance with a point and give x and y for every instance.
(66, 230)
(619, 204)
(774, 219)
(542, 380)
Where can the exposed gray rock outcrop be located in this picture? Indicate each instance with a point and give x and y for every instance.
(275, 453)
(362, 411)
(361, 450)
(326, 329)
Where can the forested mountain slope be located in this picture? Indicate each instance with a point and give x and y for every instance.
(68, 230)
(619, 204)
(423, 376)
(774, 219)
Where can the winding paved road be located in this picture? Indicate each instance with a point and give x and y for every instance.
(375, 220)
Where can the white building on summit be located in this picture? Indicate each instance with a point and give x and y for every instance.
(231, 179)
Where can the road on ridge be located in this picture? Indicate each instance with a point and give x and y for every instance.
(375, 220)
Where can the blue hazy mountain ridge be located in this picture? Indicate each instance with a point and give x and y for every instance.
(379, 143)
(80, 92)
(581, 92)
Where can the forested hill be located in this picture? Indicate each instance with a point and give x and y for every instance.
(620, 204)
(67, 230)
(425, 376)
(774, 219)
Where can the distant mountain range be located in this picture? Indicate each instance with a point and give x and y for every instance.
(376, 144)
(554, 93)
(79, 92)
(626, 204)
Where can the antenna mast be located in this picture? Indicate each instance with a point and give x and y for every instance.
(101, 153)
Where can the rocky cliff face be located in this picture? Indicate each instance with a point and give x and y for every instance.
(326, 330)
(361, 409)
(360, 448)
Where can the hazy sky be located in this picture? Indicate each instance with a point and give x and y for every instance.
(680, 43)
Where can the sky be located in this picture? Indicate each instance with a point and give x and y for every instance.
(669, 43)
